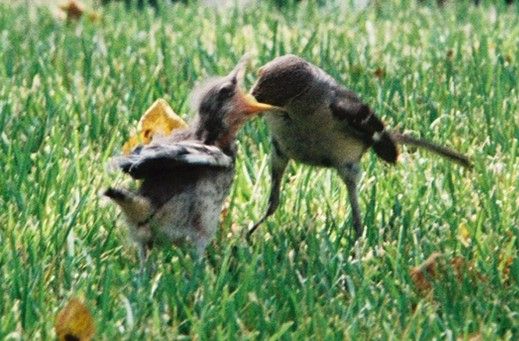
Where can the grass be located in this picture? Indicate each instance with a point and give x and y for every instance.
(71, 94)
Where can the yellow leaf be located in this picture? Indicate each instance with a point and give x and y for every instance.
(94, 16)
(74, 322)
(464, 234)
(132, 142)
(158, 120)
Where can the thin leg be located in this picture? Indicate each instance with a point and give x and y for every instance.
(278, 164)
(201, 244)
(144, 249)
(350, 174)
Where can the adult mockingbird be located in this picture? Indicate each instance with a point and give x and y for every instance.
(324, 124)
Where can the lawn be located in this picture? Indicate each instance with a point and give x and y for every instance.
(70, 95)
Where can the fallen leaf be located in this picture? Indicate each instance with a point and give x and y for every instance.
(94, 16)
(450, 54)
(461, 266)
(425, 272)
(158, 120)
(73, 9)
(437, 268)
(224, 213)
(380, 73)
(74, 322)
(471, 337)
(505, 263)
(464, 234)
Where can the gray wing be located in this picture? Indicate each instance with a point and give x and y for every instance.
(358, 118)
(152, 159)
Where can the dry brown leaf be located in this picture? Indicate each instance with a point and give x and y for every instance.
(450, 54)
(436, 267)
(506, 264)
(73, 9)
(158, 120)
(425, 272)
(224, 213)
(74, 322)
(380, 73)
(472, 337)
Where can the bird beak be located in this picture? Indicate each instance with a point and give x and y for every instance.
(248, 104)
(245, 101)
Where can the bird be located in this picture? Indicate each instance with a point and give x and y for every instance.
(185, 177)
(324, 124)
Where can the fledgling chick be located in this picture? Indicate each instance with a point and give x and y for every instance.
(326, 125)
(187, 176)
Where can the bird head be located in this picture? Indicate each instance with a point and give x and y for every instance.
(223, 107)
(282, 79)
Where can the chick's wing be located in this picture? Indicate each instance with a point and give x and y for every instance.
(151, 159)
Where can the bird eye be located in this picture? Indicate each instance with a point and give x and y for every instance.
(226, 91)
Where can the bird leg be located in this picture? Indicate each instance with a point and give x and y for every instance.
(143, 254)
(350, 174)
(278, 164)
(201, 243)
(144, 250)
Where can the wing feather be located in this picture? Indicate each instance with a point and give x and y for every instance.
(360, 120)
(164, 157)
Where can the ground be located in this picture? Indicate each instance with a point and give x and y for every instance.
(71, 93)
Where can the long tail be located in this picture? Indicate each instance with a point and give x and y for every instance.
(137, 208)
(433, 147)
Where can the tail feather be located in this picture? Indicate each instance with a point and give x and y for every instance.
(136, 207)
(385, 147)
(433, 147)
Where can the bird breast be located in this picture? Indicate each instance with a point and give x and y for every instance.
(313, 137)
(193, 211)
(309, 133)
